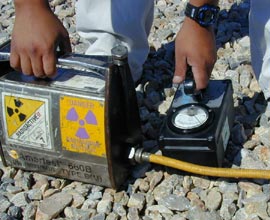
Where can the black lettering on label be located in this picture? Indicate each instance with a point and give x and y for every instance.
(81, 175)
(62, 167)
(34, 167)
(71, 173)
(41, 160)
(16, 163)
(28, 124)
(96, 178)
(80, 167)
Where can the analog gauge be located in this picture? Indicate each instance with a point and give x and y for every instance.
(190, 117)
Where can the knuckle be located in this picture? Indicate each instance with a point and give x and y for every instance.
(38, 72)
(13, 47)
(180, 70)
(13, 63)
(48, 51)
(50, 71)
(37, 49)
(13, 44)
(34, 50)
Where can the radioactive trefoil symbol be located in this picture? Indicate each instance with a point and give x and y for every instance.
(16, 111)
(89, 118)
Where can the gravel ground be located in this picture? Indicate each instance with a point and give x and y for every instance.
(152, 193)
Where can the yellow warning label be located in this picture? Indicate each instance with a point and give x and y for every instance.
(82, 125)
(18, 110)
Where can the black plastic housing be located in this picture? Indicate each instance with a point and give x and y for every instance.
(207, 145)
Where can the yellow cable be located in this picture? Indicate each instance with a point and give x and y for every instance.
(209, 171)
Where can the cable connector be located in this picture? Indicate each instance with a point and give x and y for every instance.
(138, 155)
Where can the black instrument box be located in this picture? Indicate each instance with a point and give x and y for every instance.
(197, 128)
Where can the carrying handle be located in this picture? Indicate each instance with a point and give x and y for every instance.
(189, 83)
(190, 86)
(97, 64)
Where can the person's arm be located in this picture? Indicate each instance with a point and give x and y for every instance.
(195, 46)
(36, 34)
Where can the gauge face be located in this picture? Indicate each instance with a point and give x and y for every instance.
(190, 117)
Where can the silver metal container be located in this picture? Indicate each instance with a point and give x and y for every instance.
(80, 125)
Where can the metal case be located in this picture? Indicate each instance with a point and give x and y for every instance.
(76, 125)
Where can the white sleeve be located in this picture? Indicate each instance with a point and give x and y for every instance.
(259, 31)
(106, 23)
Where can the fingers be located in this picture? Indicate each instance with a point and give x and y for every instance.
(34, 63)
(49, 59)
(26, 66)
(35, 37)
(49, 64)
(37, 62)
(15, 61)
(196, 50)
(201, 76)
(37, 66)
(201, 72)
(201, 65)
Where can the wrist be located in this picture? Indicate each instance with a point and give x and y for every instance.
(205, 14)
(196, 26)
(198, 3)
(21, 4)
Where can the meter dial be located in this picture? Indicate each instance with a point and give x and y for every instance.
(190, 118)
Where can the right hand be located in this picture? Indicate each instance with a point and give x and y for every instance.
(37, 32)
(195, 47)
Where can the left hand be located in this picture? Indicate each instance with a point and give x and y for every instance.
(194, 46)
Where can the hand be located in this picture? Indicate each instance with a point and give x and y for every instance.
(37, 33)
(194, 46)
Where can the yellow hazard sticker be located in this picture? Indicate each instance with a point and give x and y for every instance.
(82, 125)
(26, 120)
